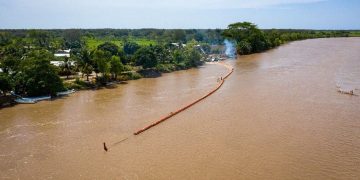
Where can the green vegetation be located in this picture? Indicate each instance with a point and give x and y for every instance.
(354, 34)
(100, 56)
(36, 76)
(27, 57)
(93, 43)
(5, 83)
(249, 39)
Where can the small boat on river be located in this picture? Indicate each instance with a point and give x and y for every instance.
(24, 101)
(64, 93)
(32, 100)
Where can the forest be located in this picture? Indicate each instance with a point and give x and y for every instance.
(100, 56)
(250, 39)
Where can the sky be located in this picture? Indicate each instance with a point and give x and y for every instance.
(173, 14)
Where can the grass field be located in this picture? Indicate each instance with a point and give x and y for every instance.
(93, 43)
(355, 33)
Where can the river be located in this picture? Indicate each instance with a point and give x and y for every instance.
(278, 116)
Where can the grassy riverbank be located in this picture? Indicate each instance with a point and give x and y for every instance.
(79, 82)
(98, 57)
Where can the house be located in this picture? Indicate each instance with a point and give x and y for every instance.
(60, 63)
(62, 53)
(57, 63)
(178, 44)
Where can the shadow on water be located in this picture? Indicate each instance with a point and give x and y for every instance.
(150, 73)
(123, 82)
(111, 87)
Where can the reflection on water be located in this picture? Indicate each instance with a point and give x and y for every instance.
(279, 116)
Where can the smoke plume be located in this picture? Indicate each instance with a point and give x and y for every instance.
(230, 49)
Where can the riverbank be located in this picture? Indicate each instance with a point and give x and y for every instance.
(7, 101)
(79, 83)
(100, 82)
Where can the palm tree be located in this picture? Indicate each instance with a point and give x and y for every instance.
(66, 68)
(85, 64)
(87, 69)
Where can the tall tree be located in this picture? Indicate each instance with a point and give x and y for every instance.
(179, 35)
(85, 64)
(66, 68)
(162, 54)
(131, 47)
(116, 66)
(178, 56)
(248, 37)
(72, 40)
(5, 83)
(102, 61)
(112, 48)
(146, 57)
(39, 38)
(5, 38)
(192, 57)
(37, 76)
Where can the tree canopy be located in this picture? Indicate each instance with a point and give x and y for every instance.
(112, 48)
(37, 76)
(5, 83)
(249, 38)
(25, 55)
(131, 47)
(146, 57)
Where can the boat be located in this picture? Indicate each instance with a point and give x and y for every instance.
(41, 98)
(32, 100)
(64, 93)
(24, 101)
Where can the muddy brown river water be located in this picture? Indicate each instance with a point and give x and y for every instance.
(278, 116)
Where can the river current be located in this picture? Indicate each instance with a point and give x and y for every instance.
(278, 116)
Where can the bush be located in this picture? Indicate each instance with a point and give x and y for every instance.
(181, 66)
(129, 76)
(102, 80)
(38, 77)
(71, 85)
(78, 84)
(135, 75)
(166, 68)
(5, 83)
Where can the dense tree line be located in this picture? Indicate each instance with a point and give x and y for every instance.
(71, 38)
(249, 39)
(25, 55)
(26, 68)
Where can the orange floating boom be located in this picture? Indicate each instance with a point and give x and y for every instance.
(231, 70)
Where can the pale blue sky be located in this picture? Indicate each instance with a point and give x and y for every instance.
(304, 14)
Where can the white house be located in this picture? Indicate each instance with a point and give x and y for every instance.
(57, 63)
(62, 53)
(60, 63)
(177, 44)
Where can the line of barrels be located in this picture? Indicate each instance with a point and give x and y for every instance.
(231, 70)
